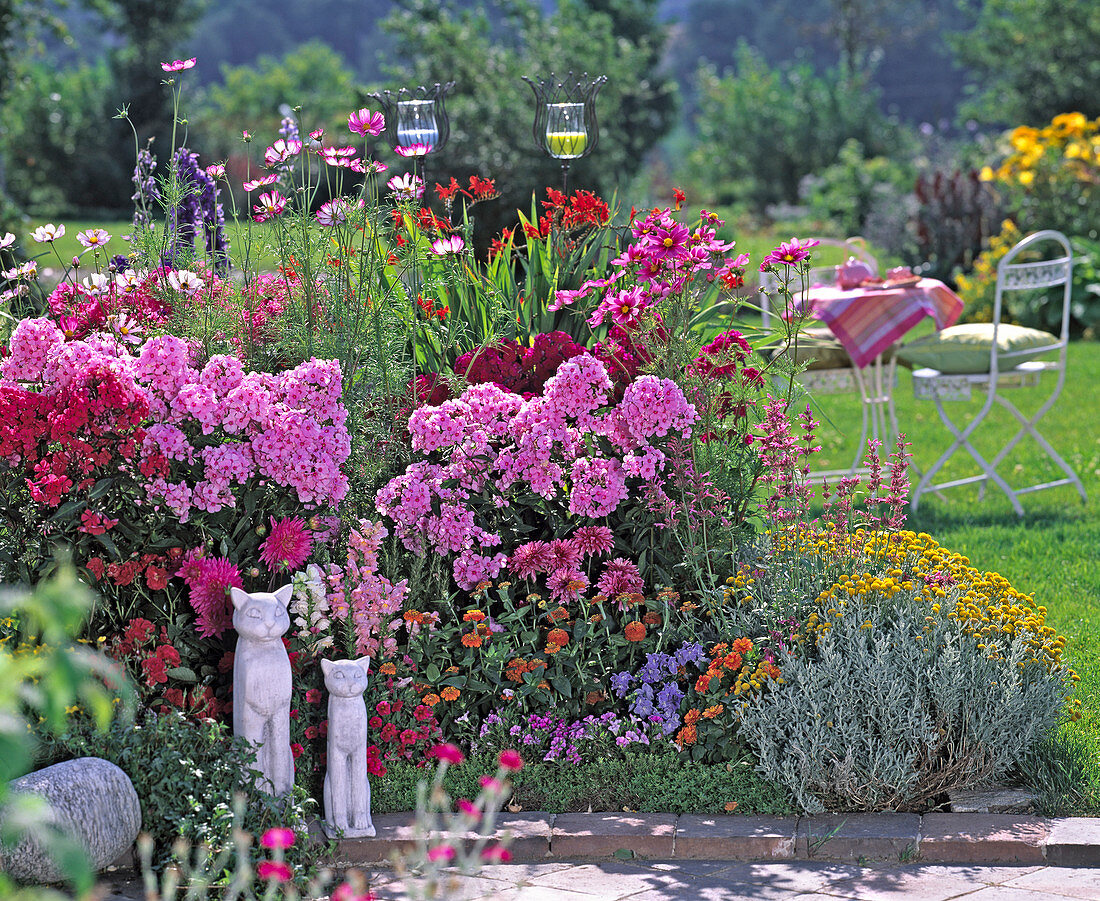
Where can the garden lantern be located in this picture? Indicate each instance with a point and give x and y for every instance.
(416, 120)
(565, 118)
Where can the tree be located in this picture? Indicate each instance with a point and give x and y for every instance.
(1032, 59)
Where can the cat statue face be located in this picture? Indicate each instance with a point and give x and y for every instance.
(262, 615)
(346, 678)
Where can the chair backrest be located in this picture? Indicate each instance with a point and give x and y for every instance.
(852, 247)
(1053, 267)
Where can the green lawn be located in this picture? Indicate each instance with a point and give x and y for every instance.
(1052, 553)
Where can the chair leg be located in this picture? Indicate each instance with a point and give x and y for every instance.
(1027, 427)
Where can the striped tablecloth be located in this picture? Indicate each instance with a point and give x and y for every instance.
(868, 320)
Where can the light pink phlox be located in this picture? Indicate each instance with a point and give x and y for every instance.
(170, 441)
(645, 463)
(222, 374)
(471, 568)
(598, 487)
(201, 403)
(30, 343)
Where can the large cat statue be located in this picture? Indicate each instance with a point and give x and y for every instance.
(347, 790)
(261, 683)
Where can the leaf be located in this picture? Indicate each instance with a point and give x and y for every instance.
(108, 542)
(99, 489)
(67, 510)
(432, 672)
(182, 674)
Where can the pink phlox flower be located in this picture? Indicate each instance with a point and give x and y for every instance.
(581, 385)
(471, 568)
(179, 65)
(788, 253)
(598, 487)
(653, 407)
(364, 122)
(645, 463)
(170, 441)
(30, 344)
(288, 546)
(620, 576)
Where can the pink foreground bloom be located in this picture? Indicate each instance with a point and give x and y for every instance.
(788, 254)
(278, 837)
(179, 65)
(447, 752)
(364, 122)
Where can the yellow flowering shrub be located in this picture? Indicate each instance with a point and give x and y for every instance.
(978, 288)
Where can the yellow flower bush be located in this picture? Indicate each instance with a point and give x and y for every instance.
(978, 288)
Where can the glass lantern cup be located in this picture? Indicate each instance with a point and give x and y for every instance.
(417, 130)
(565, 118)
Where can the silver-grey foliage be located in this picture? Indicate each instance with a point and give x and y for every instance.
(888, 716)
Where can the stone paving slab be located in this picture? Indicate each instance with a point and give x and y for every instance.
(602, 834)
(859, 836)
(716, 837)
(1074, 842)
(983, 838)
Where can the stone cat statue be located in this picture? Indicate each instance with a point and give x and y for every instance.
(261, 683)
(347, 790)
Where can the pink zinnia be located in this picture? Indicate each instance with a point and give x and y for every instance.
(210, 595)
(620, 577)
(288, 546)
(593, 540)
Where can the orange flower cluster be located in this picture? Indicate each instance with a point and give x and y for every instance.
(635, 631)
(517, 668)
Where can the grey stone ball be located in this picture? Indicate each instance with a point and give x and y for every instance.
(91, 800)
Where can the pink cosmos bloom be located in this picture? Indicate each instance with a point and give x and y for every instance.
(185, 281)
(334, 212)
(260, 182)
(373, 167)
(441, 852)
(216, 171)
(593, 540)
(364, 122)
(179, 65)
(275, 870)
(448, 753)
(788, 254)
(413, 150)
(453, 244)
(278, 837)
(7, 240)
(93, 237)
(47, 233)
(407, 186)
(288, 546)
(510, 760)
(281, 151)
(271, 204)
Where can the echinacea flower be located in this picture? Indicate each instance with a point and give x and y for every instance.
(788, 254)
(413, 150)
(278, 837)
(185, 281)
(274, 870)
(93, 237)
(452, 244)
(407, 186)
(179, 65)
(288, 545)
(47, 233)
(364, 122)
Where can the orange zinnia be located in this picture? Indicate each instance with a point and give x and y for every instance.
(691, 717)
(559, 637)
(471, 640)
(430, 700)
(635, 631)
(473, 616)
(652, 618)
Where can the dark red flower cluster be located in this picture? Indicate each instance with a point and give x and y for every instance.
(521, 370)
(402, 739)
(155, 568)
(79, 312)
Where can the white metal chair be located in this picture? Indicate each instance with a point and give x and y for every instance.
(836, 374)
(1047, 263)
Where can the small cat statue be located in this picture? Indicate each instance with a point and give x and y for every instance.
(261, 683)
(347, 789)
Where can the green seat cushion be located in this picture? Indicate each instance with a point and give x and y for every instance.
(966, 348)
(816, 347)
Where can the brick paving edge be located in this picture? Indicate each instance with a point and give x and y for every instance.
(857, 837)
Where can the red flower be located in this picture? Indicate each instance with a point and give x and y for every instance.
(510, 760)
(156, 577)
(408, 737)
(155, 671)
(375, 722)
(276, 870)
(313, 696)
(96, 567)
(311, 732)
(422, 713)
(278, 837)
(382, 708)
(447, 752)
(169, 655)
(296, 749)
(138, 630)
(226, 662)
(389, 732)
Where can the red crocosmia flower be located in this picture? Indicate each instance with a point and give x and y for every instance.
(510, 760)
(447, 752)
(275, 870)
(278, 837)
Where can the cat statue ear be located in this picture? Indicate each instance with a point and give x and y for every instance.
(364, 664)
(326, 666)
(238, 596)
(284, 594)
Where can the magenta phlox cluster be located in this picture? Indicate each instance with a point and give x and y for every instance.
(568, 445)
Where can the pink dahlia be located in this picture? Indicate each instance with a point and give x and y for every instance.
(564, 554)
(210, 595)
(620, 577)
(530, 559)
(593, 540)
(288, 546)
